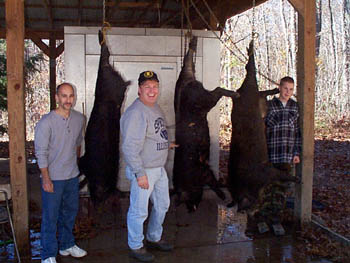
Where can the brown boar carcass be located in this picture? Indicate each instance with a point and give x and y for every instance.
(249, 169)
(191, 170)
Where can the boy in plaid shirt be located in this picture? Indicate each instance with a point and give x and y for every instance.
(284, 147)
(282, 127)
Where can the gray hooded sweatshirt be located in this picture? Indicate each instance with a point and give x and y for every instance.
(144, 137)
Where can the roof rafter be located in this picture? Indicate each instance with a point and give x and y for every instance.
(47, 5)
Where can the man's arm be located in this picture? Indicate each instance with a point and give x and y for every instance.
(297, 144)
(78, 152)
(133, 127)
(41, 141)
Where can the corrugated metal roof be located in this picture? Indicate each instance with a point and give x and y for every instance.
(46, 16)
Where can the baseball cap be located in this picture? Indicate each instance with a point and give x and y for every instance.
(147, 75)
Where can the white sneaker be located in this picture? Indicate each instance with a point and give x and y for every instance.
(74, 251)
(49, 260)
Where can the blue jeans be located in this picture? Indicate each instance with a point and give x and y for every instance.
(59, 210)
(158, 193)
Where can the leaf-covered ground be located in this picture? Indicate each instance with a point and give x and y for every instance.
(331, 189)
(332, 177)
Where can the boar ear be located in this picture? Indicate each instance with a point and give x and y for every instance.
(127, 83)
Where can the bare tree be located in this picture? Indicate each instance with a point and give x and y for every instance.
(346, 23)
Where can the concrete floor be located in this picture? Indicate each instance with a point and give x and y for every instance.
(211, 234)
(204, 236)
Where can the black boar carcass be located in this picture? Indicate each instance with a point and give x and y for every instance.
(191, 164)
(249, 169)
(100, 162)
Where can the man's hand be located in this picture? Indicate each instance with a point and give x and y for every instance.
(173, 145)
(296, 159)
(47, 184)
(142, 181)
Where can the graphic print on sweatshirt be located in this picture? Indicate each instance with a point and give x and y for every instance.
(159, 127)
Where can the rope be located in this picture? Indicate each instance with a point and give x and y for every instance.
(187, 14)
(253, 22)
(106, 26)
(104, 12)
(224, 43)
(182, 32)
(188, 17)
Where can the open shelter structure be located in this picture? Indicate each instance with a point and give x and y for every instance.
(45, 19)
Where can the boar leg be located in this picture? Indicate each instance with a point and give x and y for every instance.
(210, 180)
(268, 92)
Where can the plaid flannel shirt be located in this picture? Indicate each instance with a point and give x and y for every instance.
(283, 131)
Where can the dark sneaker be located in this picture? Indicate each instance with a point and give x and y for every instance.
(160, 245)
(141, 254)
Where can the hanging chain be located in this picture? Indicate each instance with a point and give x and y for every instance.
(228, 47)
(182, 31)
(104, 12)
(253, 21)
(255, 34)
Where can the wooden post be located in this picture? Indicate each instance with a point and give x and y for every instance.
(306, 99)
(52, 51)
(16, 115)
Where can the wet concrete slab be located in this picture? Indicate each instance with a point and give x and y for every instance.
(198, 237)
(213, 233)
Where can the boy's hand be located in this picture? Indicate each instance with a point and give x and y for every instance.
(296, 159)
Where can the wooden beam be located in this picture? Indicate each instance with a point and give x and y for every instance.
(16, 115)
(298, 5)
(47, 5)
(42, 33)
(131, 5)
(43, 47)
(306, 98)
(59, 50)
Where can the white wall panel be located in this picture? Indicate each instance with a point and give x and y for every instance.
(136, 50)
(211, 80)
(74, 65)
(146, 45)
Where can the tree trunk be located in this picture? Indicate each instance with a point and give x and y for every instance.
(346, 22)
(334, 48)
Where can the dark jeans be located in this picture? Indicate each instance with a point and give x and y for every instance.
(59, 210)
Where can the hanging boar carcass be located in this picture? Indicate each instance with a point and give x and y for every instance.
(100, 162)
(249, 169)
(191, 164)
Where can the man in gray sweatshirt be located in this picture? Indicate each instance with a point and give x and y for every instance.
(145, 147)
(58, 136)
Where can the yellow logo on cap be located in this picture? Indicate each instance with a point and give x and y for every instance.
(148, 74)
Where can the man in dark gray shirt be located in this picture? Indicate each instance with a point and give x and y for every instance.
(145, 147)
(58, 136)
